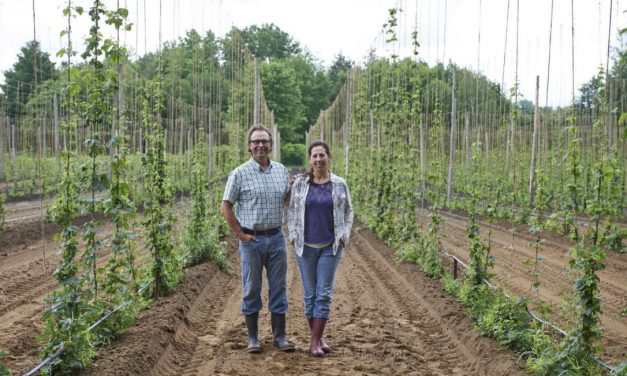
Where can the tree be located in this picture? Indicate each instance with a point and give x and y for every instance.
(283, 96)
(32, 67)
(526, 106)
(315, 90)
(590, 93)
(337, 73)
(269, 42)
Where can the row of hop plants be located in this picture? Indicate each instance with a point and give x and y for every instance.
(2, 214)
(566, 198)
(89, 291)
(506, 318)
(109, 184)
(385, 199)
(83, 299)
(379, 198)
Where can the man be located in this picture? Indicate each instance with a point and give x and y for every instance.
(259, 188)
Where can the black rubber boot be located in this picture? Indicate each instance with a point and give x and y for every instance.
(278, 333)
(253, 340)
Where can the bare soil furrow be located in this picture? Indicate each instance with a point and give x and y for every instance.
(381, 324)
(511, 249)
(428, 328)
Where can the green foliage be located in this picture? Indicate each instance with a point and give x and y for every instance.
(293, 154)
(204, 229)
(68, 314)
(337, 73)
(507, 321)
(4, 370)
(316, 87)
(613, 237)
(32, 66)
(159, 220)
(476, 298)
(620, 370)
(577, 351)
(477, 266)
(282, 92)
(95, 207)
(391, 24)
(451, 285)
(573, 187)
(269, 42)
(536, 222)
(430, 260)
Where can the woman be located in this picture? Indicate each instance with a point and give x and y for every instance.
(319, 220)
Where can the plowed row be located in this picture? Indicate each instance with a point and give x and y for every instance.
(387, 318)
(556, 279)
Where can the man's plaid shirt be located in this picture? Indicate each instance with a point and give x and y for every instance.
(258, 194)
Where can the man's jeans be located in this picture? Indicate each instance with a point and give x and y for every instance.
(269, 252)
(317, 269)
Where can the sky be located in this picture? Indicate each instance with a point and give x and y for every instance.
(471, 33)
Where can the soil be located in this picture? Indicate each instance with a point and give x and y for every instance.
(512, 244)
(387, 318)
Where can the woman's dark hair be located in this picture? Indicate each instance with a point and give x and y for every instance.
(311, 146)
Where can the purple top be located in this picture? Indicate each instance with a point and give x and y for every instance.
(319, 214)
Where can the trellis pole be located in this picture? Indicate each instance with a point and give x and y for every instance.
(452, 141)
(2, 126)
(534, 144)
(347, 124)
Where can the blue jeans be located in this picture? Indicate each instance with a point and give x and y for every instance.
(317, 270)
(269, 252)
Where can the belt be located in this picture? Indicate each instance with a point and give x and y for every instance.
(270, 232)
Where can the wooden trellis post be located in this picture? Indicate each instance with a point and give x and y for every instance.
(452, 141)
(347, 124)
(2, 126)
(55, 109)
(534, 145)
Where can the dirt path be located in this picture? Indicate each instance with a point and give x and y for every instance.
(556, 280)
(387, 319)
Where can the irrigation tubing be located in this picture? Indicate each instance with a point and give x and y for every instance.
(58, 353)
(531, 313)
(487, 282)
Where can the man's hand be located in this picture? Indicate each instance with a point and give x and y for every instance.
(229, 216)
(293, 178)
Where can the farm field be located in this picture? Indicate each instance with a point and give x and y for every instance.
(513, 164)
(27, 261)
(387, 317)
(556, 284)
